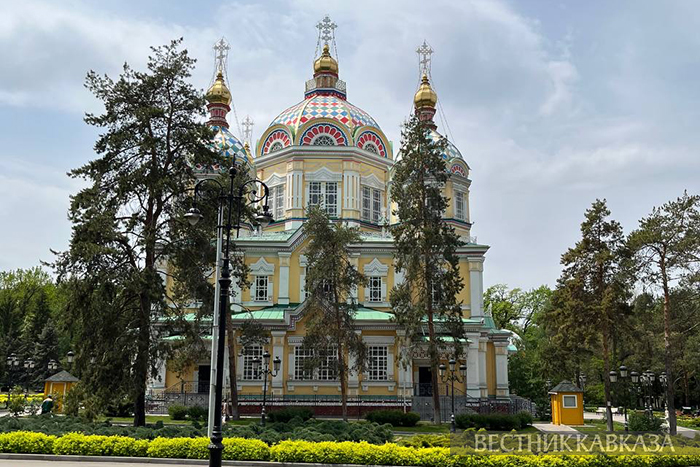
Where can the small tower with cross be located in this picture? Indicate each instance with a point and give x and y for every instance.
(218, 96)
(425, 100)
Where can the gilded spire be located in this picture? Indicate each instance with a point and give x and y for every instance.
(218, 93)
(325, 63)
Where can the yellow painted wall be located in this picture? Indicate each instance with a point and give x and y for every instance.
(490, 369)
(566, 416)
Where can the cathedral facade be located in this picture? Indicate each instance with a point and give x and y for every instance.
(326, 151)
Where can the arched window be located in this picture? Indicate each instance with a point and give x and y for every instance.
(276, 146)
(323, 140)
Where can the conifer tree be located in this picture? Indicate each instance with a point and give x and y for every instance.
(667, 246)
(125, 221)
(425, 248)
(331, 280)
(592, 291)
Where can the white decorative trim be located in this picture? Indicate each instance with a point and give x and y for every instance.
(376, 268)
(373, 181)
(274, 180)
(262, 268)
(379, 340)
(323, 175)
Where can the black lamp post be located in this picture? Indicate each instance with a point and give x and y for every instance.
(261, 367)
(624, 373)
(53, 365)
(233, 199)
(452, 377)
(547, 387)
(647, 380)
(70, 358)
(12, 368)
(29, 366)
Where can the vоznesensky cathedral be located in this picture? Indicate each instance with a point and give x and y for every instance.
(325, 151)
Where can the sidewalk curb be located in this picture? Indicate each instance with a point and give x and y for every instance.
(155, 460)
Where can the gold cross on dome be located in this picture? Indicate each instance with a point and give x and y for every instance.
(221, 49)
(247, 128)
(326, 29)
(425, 53)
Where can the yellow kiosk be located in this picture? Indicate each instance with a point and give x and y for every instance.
(59, 383)
(567, 404)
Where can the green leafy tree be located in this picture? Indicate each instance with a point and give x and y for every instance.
(426, 248)
(667, 246)
(591, 294)
(126, 221)
(331, 279)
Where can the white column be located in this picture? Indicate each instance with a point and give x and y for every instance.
(476, 286)
(283, 290)
(353, 376)
(354, 261)
(483, 387)
(278, 351)
(474, 366)
(501, 348)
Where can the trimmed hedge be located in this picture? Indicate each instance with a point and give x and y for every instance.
(494, 422)
(393, 417)
(286, 415)
(308, 452)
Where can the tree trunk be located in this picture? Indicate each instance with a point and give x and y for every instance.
(141, 362)
(434, 362)
(231, 342)
(670, 403)
(343, 375)
(686, 388)
(606, 380)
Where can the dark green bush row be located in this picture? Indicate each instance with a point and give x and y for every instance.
(307, 452)
(495, 422)
(286, 415)
(181, 412)
(393, 417)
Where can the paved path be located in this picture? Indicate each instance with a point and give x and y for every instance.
(551, 428)
(687, 432)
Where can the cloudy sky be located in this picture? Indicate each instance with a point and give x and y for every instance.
(552, 103)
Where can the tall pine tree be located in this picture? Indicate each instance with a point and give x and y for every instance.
(331, 279)
(667, 246)
(124, 219)
(426, 248)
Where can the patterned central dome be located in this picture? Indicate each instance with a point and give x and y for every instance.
(319, 105)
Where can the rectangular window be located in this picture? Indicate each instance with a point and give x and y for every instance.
(301, 356)
(366, 203)
(377, 369)
(324, 194)
(375, 288)
(460, 212)
(570, 402)
(277, 202)
(261, 284)
(250, 353)
(371, 204)
(331, 205)
(327, 368)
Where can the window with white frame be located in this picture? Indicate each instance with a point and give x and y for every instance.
(374, 283)
(378, 364)
(276, 202)
(460, 208)
(327, 370)
(371, 204)
(324, 194)
(570, 401)
(250, 353)
(261, 288)
(301, 357)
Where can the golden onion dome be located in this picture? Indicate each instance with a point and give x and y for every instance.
(218, 93)
(325, 63)
(425, 97)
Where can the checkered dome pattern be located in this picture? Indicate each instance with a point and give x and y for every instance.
(228, 145)
(451, 151)
(324, 106)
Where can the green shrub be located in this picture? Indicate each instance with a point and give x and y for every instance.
(177, 412)
(77, 444)
(640, 422)
(285, 415)
(17, 401)
(426, 441)
(393, 417)
(197, 448)
(199, 413)
(493, 422)
(26, 442)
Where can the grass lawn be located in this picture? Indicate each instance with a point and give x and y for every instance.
(429, 428)
(152, 419)
(599, 426)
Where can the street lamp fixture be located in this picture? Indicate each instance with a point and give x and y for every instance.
(634, 376)
(613, 376)
(70, 357)
(453, 376)
(265, 371)
(53, 365)
(232, 198)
